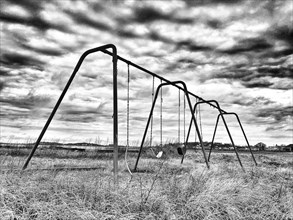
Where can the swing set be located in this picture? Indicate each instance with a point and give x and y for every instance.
(180, 85)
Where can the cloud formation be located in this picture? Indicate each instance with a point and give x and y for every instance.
(21, 60)
(238, 52)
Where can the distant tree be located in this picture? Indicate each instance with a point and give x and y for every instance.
(281, 147)
(290, 147)
(260, 146)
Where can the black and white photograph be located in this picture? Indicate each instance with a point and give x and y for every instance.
(146, 109)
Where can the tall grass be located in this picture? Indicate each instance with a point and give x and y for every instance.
(167, 190)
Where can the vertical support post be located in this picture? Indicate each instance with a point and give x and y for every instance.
(115, 118)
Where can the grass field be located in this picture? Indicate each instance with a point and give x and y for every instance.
(166, 190)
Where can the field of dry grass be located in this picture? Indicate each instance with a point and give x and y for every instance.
(167, 190)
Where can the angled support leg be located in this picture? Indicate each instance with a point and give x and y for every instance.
(212, 144)
(229, 134)
(190, 124)
(115, 105)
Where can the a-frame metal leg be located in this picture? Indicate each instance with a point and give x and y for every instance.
(221, 114)
(240, 124)
(190, 124)
(231, 139)
(115, 105)
(151, 113)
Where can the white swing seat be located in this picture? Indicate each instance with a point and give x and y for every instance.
(160, 154)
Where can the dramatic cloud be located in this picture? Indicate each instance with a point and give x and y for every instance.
(238, 52)
(20, 60)
(278, 114)
(242, 100)
(84, 19)
(28, 15)
(29, 101)
(151, 14)
(247, 45)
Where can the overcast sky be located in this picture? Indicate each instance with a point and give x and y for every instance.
(235, 51)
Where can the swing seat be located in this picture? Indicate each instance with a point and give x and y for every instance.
(181, 149)
(159, 155)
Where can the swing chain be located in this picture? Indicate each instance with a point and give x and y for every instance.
(184, 107)
(151, 135)
(198, 117)
(127, 121)
(128, 81)
(179, 116)
(161, 118)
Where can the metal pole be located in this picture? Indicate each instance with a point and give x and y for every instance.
(212, 144)
(115, 117)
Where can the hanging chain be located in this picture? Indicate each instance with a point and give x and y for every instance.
(127, 121)
(184, 106)
(161, 117)
(128, 81)
(151, 137)
(196, 118)
(179, 116)
(199, 118)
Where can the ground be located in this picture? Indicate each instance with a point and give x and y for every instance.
(165, 190)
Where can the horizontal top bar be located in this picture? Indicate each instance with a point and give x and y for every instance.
(160, 77)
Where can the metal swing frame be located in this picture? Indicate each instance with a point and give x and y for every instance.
(243, 132)
(159, 88)
(221, 114)
(115, 58)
